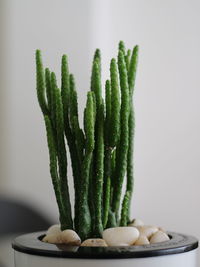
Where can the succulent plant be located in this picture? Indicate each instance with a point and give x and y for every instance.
(102, 152)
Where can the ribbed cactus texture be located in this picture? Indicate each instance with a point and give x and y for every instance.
(102, 152)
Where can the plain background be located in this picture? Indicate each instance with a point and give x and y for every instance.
(167, 96)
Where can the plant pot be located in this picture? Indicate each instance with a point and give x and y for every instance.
(180, 250)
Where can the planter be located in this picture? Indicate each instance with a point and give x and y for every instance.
(180, 250)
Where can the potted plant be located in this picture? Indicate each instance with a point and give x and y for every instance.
(102, 160)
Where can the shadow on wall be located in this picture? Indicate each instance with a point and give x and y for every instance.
(17, 217)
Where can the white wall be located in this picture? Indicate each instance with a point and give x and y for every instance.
(167, 146)
(55, 27)
(167, 95)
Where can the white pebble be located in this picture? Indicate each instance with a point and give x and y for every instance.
(142, 240)
(159, 237)
(53, 239)
(94, 242)
(161, 229)
(136, 222)
(70, 237)
(54, 229)
(120, 235)
(147, 230)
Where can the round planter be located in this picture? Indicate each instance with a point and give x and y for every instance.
(180, 250)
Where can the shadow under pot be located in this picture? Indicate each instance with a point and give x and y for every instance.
(180, 250)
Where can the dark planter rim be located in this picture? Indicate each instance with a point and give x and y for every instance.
(32, 244)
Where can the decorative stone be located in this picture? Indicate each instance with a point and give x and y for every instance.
(159, 237)
(142, 240)
(52, 238)
(54, 230)
(70, 238)
(94, 242)
(136, 222)
(120, 235)
(147, 230)
(162, 229)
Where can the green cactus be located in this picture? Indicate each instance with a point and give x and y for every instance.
(125, 208)
(48, 87)
(113, 130)
(127, 59)
(122, 48)
(132, 69)
(98, 179)
(102, 153)
(96, 59)
(62, 158)
(115, 106)
(108, 112)
(121, 160)
(89, 126)
(53, 170)
(40, 83)
(130, 160)
(71, 140)
(107, 158)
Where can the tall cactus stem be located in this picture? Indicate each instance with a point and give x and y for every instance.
(121, 161)
(40, 83)
(122, 48)
(98, 229)
(65, 93)
(127, 59)
(53, 170)
(48, 87)
(124, 211)
(84, 213)
(130, 158)
(115, 105)
(62, 159)
(107, 186)
(133, 68)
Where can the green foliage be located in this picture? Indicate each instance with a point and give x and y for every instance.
(115, 105)
(40, 83)
(53, 167)
(65, 85)
(125, 207)
(102, 152)
(130, 160)
(132, 69)
(98, 189)
(121, 160)
(48, 87)
(108, 112)
(84, 213)
(122, 47)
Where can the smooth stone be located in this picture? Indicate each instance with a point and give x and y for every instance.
(52, 239)
(162, 229)
(147, 230)
(94, 242)
(136, 222)
(142, 240)
(120, 235)
(159, 237)
(70, 237)
(54, 229)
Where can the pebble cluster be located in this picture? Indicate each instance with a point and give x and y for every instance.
(136, 233)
